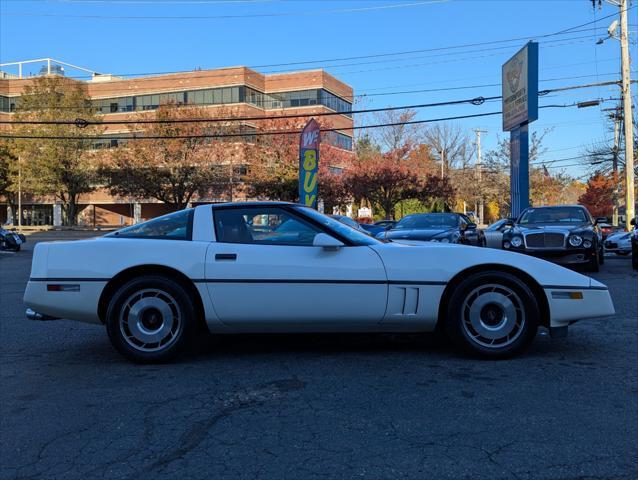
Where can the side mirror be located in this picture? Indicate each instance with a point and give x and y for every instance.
(510, 222)
(633, 222)
(326, 242)
(601, 220)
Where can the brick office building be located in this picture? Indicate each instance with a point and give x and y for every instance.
(246, 91)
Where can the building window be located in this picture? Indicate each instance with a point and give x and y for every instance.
(220, 96)
(338, 140)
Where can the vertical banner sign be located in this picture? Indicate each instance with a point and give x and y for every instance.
(309, 164)
(520, 107)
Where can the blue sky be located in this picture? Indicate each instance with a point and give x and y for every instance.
(138, 36)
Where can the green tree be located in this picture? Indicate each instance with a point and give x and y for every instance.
(8, 171)
(51, 165)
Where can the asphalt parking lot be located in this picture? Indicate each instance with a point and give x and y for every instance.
(317, 406)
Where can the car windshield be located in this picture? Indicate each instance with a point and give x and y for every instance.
(428, 220)
(496, 225)
(355, 236)
(346, 220)
(562, 215)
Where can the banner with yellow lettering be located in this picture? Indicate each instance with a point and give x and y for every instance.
(309, 164)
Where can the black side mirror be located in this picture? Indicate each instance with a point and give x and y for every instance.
(471, 226)
(510, 222)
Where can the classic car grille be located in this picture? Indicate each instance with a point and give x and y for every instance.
(545, 240)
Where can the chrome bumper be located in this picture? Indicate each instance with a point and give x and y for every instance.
(33, 315)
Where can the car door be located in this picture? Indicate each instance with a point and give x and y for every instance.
(263, 272)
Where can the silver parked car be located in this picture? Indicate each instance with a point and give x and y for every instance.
(619, 243)
(494, 233)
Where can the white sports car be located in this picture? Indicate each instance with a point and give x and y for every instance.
(281, 267)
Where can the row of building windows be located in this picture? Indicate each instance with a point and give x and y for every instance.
(226, 95)
(213, 96)
(335, 139)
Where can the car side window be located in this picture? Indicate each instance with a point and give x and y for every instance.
(262, 226)
(174, 226)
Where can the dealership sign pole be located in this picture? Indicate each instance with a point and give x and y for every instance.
(520, 108)
(309, 164)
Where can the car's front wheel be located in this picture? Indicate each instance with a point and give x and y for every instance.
(593, 265)
(150, 319)
(492, 314)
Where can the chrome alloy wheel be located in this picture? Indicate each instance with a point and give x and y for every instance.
(493, 315)
(150, 320)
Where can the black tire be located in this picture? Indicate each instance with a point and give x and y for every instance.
(17, 248)
(523, 324)
(156, 300)
(601, 256)
(593, 265)
(634, 257)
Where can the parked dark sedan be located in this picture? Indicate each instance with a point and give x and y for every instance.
(565, 234)
(377, 227)
(437, 227)
(11, 240)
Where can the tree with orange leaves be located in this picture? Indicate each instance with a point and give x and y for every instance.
(273, 171)
(598, 197)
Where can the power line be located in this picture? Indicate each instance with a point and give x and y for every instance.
(146, 78)
(264, 133)
(474, 101)
(83, 123)
(228, 17)
(466, 87)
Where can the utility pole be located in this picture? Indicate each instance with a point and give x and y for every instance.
(623, 5)
(616, 116)
(479, 174)
(627, 114)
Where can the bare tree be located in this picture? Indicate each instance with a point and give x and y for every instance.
(451, 146)
(398, 137)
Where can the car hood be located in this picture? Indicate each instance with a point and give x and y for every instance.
(619, 236)
(418, 234)
(551, 228)
(439, 263)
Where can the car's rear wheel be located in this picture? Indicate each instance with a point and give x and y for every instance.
(492, 315)
(150, 319)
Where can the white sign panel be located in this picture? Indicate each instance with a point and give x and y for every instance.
(520, 87)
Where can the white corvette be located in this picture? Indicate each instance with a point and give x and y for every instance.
(280, 267)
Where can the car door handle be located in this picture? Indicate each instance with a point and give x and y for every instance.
(225, 256)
